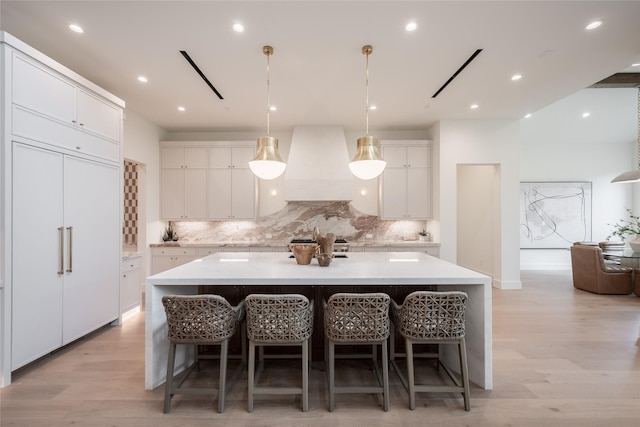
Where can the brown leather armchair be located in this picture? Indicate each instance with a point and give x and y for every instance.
(590, 273)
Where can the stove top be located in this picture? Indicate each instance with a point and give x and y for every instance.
(313, 241)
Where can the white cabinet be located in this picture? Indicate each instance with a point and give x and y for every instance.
(231, 186)
(183, 181)
(406, 180)
(130, 283)
(51, 108)
(61, 205)
(166, 258)
(65, 249)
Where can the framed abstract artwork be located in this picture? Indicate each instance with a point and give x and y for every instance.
(554, 214)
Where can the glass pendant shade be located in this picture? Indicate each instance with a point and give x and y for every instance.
(367, 163)
(267, 163)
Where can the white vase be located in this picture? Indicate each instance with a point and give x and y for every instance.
(635, 244)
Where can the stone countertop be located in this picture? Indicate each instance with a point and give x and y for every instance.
(377, 243)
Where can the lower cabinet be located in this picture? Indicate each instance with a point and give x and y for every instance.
(130, 284)
(166, 258)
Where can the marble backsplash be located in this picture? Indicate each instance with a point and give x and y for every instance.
(297, 220)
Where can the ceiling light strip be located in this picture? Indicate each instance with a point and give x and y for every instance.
(467, 62)
(195, 67)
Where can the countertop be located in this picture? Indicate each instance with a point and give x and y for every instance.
(376, 243)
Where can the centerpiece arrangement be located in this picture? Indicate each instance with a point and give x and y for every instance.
(322, 249)
(630, 227)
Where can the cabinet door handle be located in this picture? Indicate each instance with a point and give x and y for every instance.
(61, 238)
(70, 231)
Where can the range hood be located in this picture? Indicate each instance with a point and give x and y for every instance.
(318, 165)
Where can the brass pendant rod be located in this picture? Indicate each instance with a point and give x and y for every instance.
(268, 50)
(366, 50)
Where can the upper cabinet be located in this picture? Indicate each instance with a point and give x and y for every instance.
(406, 180)
(207, 180)
(183, 182)
(49, 107)
(231, 186)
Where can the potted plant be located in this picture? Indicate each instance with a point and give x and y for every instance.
(630, 227)
(423, 235)
(169, 235)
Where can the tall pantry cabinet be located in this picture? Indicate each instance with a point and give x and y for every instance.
(61, 206)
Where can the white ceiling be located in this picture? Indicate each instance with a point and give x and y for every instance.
(318, 70)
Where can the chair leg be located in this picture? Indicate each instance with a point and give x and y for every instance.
(332, 361)
(411, 374)
(385, 377)
(243, 342)
(305, 376)
(465, 374)
(250, 375)
(168, 386)
(222, 382)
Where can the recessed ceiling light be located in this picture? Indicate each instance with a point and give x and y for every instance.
(585, 115)
(238, 28)
(273, 108)
(516, 77)
(181, 108)
(593, 25)
(76, 28)
(372, 107)
(526, 116)
(474, 106)
(142, 79)
(411, 26)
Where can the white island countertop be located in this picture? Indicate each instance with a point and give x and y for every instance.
(360, 268)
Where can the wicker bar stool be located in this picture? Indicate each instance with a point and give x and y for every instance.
(201, 320)
(358, 319)
(428, 317)
(278, 320)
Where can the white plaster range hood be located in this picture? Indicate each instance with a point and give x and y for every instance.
(318, 165)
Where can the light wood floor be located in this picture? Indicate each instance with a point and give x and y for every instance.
(562, 357)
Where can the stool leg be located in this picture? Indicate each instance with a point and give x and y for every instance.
(222, 382)
(385, 376)
(250, 375)
(168, 386)
(305, 376)
(332, 361)
(411, 374)
(465, 374)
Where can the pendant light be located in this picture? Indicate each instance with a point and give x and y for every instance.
(634, 175)
(367, 163)
(267, 163)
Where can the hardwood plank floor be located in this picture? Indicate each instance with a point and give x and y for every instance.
(562, 357)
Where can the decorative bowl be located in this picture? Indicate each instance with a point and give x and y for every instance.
(324, 259)
(303, 253)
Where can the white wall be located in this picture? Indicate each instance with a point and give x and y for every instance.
(494, 142)
(558, 144)
(141, 145)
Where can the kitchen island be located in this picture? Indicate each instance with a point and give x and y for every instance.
(373, 271)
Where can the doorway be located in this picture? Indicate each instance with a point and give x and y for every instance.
(478, 217)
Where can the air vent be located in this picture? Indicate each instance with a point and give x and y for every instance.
(195, 67)
(467, 62)
(619, 80)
